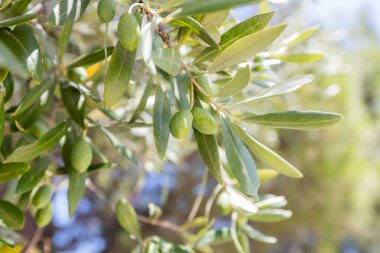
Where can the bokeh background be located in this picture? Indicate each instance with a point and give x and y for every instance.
(336, 206)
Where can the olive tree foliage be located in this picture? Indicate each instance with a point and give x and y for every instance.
(211, 80)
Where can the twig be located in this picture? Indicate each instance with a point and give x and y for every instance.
(35, 239)
(211, 200)
(199, 197)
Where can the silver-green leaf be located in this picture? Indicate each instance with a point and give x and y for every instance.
(161, 120)
(67, 11)
(237, 83)
(127, 217)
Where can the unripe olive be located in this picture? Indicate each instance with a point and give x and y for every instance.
(42, 197)
(81, 156)
(180, 124)
(203, 121)
(128, 29)
(43, 216)
(207, 86)
(106, 10)
(77, 75)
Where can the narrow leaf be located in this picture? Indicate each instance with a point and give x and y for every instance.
(23, 45)
(127, 217)
(77, 187)
(142, 103)
(270, 215)
(299, 58)
(197, 28)
(168, 60)
(64, 39)
(238, 82)
(268, 156)
(266, 175)
(31, 97)
(73, 101)
(91, 58)
(257, 235)
(120, 147)
(2, 114)
(18, 7)
(38, 147)
(237, 32)
(245, 48)
(240, 160)
(281, 88)
(161, 119)
(11, 215)
(298, 37)
(300, 120)
(214, 237)
(9, 171)
(17, 20)
(67, 11)
(208, 148)
(118, 75)
(192, 7)
(31, 178)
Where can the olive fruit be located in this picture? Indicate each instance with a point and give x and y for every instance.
(42, 197)
(128, 29)
(205, 83)
(81, 156)
(203, 121)
(180, 124)
(43, 216)
(106, 10)
(77, 75)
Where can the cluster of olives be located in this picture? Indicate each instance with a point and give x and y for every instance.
(41, 201)
(199, 118)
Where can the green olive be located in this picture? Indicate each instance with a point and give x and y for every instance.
(43, 216)
(81, 156)
(203, 121)
(106, 10)
(42, 197)
(128, 29)
(180, 124)
(207, 86)
(77, 75)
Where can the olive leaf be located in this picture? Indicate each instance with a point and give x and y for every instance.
(18, 7)
(168, 60)
(73, 101)
(237, 32)
(161, 120)
(268, 156)
(280, 88)
(127, 217)
(64, 39)
(257, 235)
(208, 149)
(9, 171)
(214, 237)
(142, 103)
(270, 215)
(67, 11)
(11, 215)
(31, 178)
(32, 97)
(24, 49)
(197, 28)
(192, 7)
(300, 120)
(77, 187)
(237, 83)
(299, 58)
(245, 48)
(90, 58)
(17, 20)
(40, 146)
(240, 160)
(118, 75)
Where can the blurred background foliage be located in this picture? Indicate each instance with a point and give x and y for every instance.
(336, 206)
